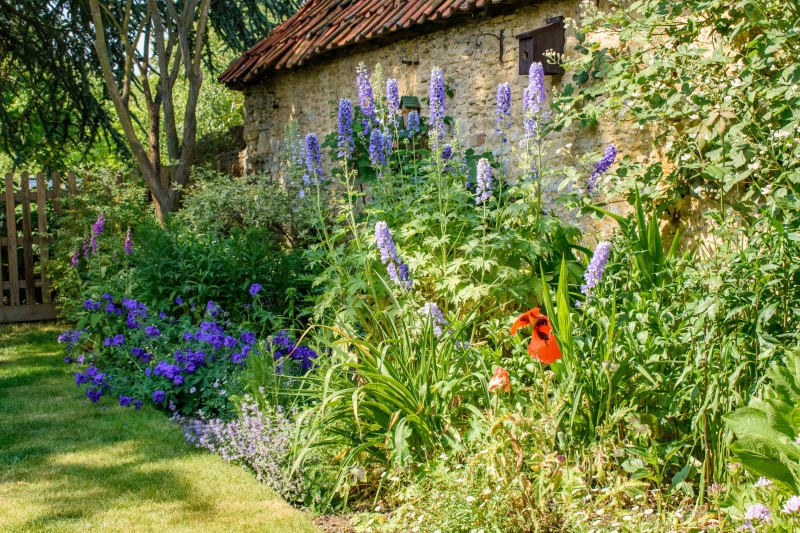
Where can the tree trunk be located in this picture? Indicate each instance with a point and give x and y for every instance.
(169, 204)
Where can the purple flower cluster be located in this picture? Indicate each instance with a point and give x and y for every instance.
(143, 355)
(365, 98)
(413, 123)
(380, 147)
(135, 311)
(152, 331)
(71, 337)
(128, 243)
(85, 249)
(255, 288)
(503, 108)
(97, 228)
(261, 441)
(91, 305)
(432, 312)
(313, 161)
(393, 102)
(116, 340)
(159, 396)
(284, 347)
(436, 95)
(533, 99)
(398, 271)
(594, 272)
(213, 310)
(345, 129)
(600, 168)
(483, 178)
(95, 380)
(76, 258)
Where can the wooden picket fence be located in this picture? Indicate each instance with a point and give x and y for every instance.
(26, 297)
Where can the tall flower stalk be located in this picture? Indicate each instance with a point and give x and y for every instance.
(533, 101)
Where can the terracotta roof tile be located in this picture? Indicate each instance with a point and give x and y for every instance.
(323, 25)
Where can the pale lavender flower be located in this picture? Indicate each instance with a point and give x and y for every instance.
(128, 243)
(345, 137)
(483, 179)
(365, 97)
(792, 505)
(393, 101)
(762, 483)
(262, 441)
(594, 272)
(436, 97)
(313, 160)
(413, 123)
(503, 107)
(758, 512)
(431, 310)
(600, 168)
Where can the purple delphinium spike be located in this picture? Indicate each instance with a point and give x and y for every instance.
(600, 168)
(99, 226)
(345, 137)
(594, 272)
(76, 257)
(365, 98)
(436, 97)
(128, 243)
(85, 248)
(313, 160)
(393, 101)
(533, 99)
(413, 123)
(503, 108)
(397, 270)
(483, 181)
(431, 310)
(385, 243)
(380, 147)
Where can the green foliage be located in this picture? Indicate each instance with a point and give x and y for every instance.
(399, 396)
(121, 198)
(768, 429)
(714, 82)
(216, 204)
(173, 261)
(672, 359)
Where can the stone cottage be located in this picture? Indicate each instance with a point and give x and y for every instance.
(305, 64)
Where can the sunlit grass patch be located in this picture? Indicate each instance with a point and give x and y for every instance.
(69, 465)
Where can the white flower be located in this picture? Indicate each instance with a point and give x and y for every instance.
(470, 499)
(754, 166)
(792, 505)
(686, 157)
(762, 483)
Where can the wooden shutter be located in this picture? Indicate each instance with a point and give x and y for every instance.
(533, 45)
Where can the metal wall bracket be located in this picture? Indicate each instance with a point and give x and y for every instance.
(498, 37)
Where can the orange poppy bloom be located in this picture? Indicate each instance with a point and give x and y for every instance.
(543, 344)
(500, 381)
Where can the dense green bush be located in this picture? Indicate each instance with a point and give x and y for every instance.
(176, 262)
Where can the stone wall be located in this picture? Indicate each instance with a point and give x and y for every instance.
(309, 94)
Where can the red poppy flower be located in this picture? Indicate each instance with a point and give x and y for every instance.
(543, 344)
(500, 381)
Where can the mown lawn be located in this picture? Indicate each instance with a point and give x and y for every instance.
(67, 465)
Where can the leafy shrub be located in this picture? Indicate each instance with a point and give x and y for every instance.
(715, 85)
(768, 429)
(121, 199)
(175, 262)
(169, 355)
(216, 204)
